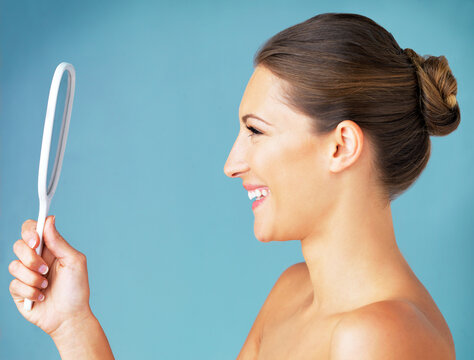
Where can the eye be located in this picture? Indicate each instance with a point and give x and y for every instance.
(254, 131)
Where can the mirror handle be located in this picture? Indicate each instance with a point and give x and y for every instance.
(44, 207)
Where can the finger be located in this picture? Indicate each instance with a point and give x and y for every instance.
(29, 233)
(19, 289)
(27, 276)
(29, 257)
(58, 246)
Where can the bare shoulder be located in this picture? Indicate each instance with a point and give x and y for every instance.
(289, 280)
(389, 329)
(290, 286)
(296, 274)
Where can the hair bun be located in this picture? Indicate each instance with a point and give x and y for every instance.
(451, 100)
(438, 89)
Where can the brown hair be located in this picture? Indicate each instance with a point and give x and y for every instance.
(347, 67)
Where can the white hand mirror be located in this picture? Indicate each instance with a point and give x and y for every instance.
(46, 194)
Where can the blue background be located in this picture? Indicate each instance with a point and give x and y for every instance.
(175, 269)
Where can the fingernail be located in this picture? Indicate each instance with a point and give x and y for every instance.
(43, 269)
(44, 284)
(54, 220)
(32, 242)
(41, 297)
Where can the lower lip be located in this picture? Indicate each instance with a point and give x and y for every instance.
(258, 202)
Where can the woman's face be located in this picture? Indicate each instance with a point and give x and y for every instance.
(285, 158)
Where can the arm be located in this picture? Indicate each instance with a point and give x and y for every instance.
(82, 338)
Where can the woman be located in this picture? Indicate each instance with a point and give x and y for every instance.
(335, 124)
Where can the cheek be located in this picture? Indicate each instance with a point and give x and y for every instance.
(294, 170)
(301, 185)
(300, 167)
(289, 165)
(266, 155)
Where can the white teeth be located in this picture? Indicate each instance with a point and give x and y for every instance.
(259, 193)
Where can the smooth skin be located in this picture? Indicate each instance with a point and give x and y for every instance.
(355, 296)
(64, 313)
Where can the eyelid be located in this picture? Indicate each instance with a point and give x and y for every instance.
(253, 130)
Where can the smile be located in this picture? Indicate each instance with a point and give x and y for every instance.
(260, 195)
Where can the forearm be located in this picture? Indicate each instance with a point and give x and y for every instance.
(82, 339)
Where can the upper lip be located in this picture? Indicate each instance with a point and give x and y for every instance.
(250, 187)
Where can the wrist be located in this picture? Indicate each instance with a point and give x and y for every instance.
(75, 324)
(82, 337)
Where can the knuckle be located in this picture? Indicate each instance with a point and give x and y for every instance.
(20, 248)
(29, 260)
(13, 286)
(15, 246)
(13, 267)
(25, 254)
(28, 225)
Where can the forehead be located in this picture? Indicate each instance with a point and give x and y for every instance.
(264, 97)
(263, 94)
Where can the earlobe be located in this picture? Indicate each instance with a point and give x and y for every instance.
(348, 141)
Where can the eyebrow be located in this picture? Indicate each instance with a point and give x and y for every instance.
(245, 117)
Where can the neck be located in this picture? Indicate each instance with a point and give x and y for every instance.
(354, 259)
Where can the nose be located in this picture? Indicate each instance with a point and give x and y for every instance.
(236, 165)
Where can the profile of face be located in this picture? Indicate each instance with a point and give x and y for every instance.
(298, 167)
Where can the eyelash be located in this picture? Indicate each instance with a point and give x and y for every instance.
(254, 131)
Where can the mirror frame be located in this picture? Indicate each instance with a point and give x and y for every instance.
(43, 192)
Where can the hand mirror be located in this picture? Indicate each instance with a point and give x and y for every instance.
(46, 189)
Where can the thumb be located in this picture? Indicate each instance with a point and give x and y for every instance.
(55, 242)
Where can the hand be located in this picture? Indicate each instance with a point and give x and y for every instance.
(66, 297)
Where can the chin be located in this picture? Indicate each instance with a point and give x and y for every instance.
(266, 239)
(262, 238)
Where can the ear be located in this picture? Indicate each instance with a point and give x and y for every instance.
(346, 145)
